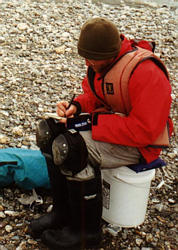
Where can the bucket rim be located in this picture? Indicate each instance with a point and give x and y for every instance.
(129, 176)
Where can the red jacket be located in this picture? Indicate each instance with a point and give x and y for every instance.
(150, 95)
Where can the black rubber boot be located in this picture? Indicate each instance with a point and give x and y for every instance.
(85, 200)
(59, 216)
(47, 130)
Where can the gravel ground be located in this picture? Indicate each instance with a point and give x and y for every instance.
(39, 66)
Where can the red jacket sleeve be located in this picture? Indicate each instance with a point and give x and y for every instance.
(87, 100)
(150, 94)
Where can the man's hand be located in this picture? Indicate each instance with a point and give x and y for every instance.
(64, 111)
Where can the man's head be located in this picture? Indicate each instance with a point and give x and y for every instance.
(99, 40)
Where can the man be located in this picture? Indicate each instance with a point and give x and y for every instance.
(128, 95)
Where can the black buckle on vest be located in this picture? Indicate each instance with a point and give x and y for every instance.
(109, 88)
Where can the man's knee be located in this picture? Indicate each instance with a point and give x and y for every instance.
(70, 152)
(43, 136)
(60, 149)
(46, 132)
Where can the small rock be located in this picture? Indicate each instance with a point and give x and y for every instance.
(31, 242)
(18, 131)
(159, 207)
(171, 201)
(138, 241)
(65, 34)
(171, 155)
(2, 215)
(11, 213)
(22, 246)
(8, 228)
(4, 139)
(149, 237)
(3, 247)
(22, 26)
(60, 50)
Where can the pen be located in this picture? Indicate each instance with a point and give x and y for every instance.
(71, 101)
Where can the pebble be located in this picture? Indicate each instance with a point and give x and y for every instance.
(22, 26)
(11, 213)
(159, 207)
(22, 246)
(139, 241)
(172, 155)
(40, 66)
(171, 201)
(3, 248)
(4, 139)
(8, 228)
(2, 215)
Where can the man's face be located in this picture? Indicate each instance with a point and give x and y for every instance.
(99, 65)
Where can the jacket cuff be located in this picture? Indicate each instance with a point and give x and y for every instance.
(78, 106)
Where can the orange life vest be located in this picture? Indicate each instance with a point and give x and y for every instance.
(116, 88)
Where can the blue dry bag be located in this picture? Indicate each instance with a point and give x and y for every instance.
(25, 167)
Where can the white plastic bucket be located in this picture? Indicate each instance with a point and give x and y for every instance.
(125, 196)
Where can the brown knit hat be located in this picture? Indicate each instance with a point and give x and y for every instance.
(99, 39)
